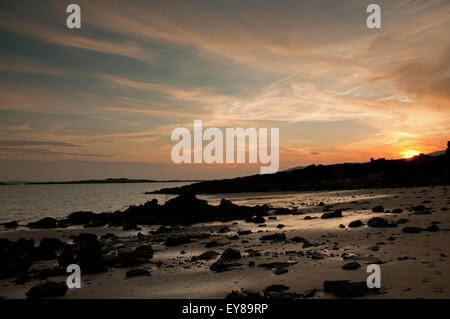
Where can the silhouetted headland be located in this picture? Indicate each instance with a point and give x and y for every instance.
(420, 170)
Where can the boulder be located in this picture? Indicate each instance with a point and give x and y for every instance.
(355, 223)
(336, 213)
(276, 236)
(47, 290)
(412, 230)
(44, 223)
(378, 209)
(379, 222)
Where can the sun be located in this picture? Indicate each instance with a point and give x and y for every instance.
(409, 153)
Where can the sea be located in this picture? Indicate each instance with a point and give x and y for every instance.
(26, 203)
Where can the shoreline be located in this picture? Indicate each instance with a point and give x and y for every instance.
(423, 274)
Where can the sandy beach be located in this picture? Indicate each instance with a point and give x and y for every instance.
(307, 250)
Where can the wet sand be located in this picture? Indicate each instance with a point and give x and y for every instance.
(423, 274)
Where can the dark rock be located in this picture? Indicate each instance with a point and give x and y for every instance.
(85, 238)
(207, 255)
(374, 248)
(276, 236)
(276, 288)
(47, 290)
(231, 254)
(176, 241)
(336, 213)
(351, 266)
(378, 209)
(355, 223)
(131, 227)
(341, 226)
(279, 226)
(15, 257)
(51, 244)
(137, 272)
(81, 218)
(11, 224)
(23, 279)
(256, 220)
(433, 228)
(412, 230)
(402, 221)
(309, 293)
(224, 229)
(419, 208)
(44, 223)
(87, 255)
(108, 236)
(379, 222)
(214, 243)
(143, 251)
(244, 294)
(347, 289)
(163, 229)
(280, 271)
(244, 232)
(397, 211)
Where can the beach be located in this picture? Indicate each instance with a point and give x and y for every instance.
(305, 251)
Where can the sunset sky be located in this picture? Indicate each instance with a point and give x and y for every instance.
(102, 101)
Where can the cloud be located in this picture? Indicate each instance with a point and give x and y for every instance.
(17, 143)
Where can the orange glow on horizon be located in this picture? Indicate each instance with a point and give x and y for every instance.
(409, 153)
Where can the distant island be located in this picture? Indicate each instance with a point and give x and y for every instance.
(420, 170)
(110, 181)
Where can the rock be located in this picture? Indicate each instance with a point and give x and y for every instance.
(176, 241)
(81, 218)
(44, 223)
(309, 293)
(233, 237)
(433, 228)
(214, 243)
(251, 263)
(244, 232)
(355, 223)
(378, 209)
(163, 229)
(11, 224)
(15, 257)
(397, 211)
(402, 221)
(276, 236)
(298, 239)
(225, 261)
(207, 255)
(379, 222)
(224, 229)
(244, 294)
(131, 227)
(280, 271)
(347, 289)
(279, 226)
(231, 254)
(317, 255)
(321, 204)
(85, 238)
(412, 230)
(47, 290)
(341, 226)
(108, 236)
(23, 279)
(335, 214)
(351, 266)
(143, 251)
(87, 255)
(40, 253)
(276, 288)
(137, 272)
(374, 248)
(51, 244)
(419, 208)
(256, 219)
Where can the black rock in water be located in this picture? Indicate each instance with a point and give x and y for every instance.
(44, 223)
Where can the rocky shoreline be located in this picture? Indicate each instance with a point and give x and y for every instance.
(150, 246)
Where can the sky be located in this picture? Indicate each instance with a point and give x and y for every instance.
(102, 101)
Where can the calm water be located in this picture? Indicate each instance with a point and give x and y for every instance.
(26, 203)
